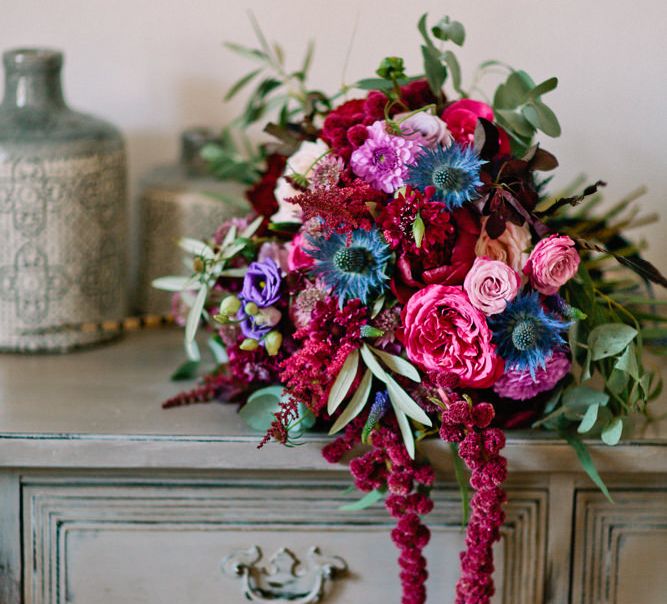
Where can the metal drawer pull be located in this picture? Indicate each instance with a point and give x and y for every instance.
(285, 578)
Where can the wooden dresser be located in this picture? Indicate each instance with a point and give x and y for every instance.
(107, 499)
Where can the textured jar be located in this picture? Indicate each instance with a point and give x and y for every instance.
(180, 201)
(62, 212)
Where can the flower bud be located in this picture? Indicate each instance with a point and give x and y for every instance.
(198, 265)
(251, 309)
(272, 342)
(270, 316)
(249, 345)
(230, 306)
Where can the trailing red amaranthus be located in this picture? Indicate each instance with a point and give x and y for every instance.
(479, 446)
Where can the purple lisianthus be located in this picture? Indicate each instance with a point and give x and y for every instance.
(519, 385)
(250, 328)
(383, 160)
(262, 282)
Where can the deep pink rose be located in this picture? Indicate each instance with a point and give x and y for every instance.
(461, 119)
(552, 263)
(491, 284)
(297, 257)
(443, 332)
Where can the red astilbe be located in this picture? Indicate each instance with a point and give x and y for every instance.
(388, 465)
(479, 446)
(308, 374)
(340, 209)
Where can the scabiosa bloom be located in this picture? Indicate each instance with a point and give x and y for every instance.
(383, 160)
(352, 266)
(453, 171)
(520, 385)
(526, 335)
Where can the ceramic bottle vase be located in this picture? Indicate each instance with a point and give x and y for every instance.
(62, 212)
(177, 201)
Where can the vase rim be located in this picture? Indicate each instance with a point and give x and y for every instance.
(33, 59)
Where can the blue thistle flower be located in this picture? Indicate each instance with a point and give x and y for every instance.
(453, 171)
(352, 265)
(525, 334)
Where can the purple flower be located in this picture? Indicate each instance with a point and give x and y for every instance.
(250, 327)
(261, 284)
(519, 385)
(383, 160)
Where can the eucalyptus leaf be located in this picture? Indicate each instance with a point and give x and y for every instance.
(356, 404)
(542, 118)
(397, 364)
(589, 419)
(436, 72)
(610, 339)
(516, 122)
(454, 69)
(259, 411)
(543, 88)
(587, 463)
(578, 398)
(612, 431)
(453, 31)
(374, 84)
(628, 362)
(343, 381)
(369, 499)
(186, 371)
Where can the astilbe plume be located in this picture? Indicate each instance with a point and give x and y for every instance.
(339, 209)
(408, 482)
(479, 446)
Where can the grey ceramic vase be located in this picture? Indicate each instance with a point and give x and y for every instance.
(180, 200)
(62, 213)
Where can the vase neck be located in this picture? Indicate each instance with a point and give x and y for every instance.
(32, 79)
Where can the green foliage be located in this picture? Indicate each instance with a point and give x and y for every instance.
(186, 371)
(262, 405)
(587, 463)
(369, 499)
(462, 480)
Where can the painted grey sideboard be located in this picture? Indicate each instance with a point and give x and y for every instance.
(105, 499)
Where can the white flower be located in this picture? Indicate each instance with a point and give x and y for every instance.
(301, 162)
(429, 127)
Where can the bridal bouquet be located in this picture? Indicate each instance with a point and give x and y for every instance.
(406, 275)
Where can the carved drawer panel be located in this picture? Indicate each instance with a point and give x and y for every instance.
(619, 548)
(111, 541)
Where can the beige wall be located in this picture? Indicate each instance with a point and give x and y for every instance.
(156, 66)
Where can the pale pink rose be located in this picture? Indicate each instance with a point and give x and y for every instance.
(443, 332)
(552, 263)
(429, 128)
(491, 284)
(511, 247)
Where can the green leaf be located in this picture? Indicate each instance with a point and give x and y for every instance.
(421, 26)
(343, 381)
(372, 364)
(610, 339)
(454, 69)
(241, 83)
(436, 72)
(462, 480)
(401, 399)
(194, 316)
(418, 230)
(374, 84)
(612, 432)
(259, 411)
(578, 398)
(186, 371)
(356, 404)
(543, 88)
(250, 53)
(628, 362)
(514, 92)
(617, 381)
(377, 307)
(196, 247)
(589, 419)
(449, 30)
(542, 117)
(175, 284)
(587, 463)
(398, 364)
(516, 122)
(406, 430)
(368, 331)
(369, 499)
(217, 350)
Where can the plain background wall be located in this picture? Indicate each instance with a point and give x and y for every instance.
(155, 67)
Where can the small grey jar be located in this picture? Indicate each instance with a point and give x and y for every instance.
(63, 213)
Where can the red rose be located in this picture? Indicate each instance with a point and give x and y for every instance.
(461, 119)
(260, 195)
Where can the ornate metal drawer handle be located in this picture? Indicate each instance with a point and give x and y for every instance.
(285, 578)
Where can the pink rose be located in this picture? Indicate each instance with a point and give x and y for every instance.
(444, 332)
(491, 284)
(511, 247)
(297, 257)
(552, 263)
(461, 119)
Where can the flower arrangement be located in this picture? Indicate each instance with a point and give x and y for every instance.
(405, 275)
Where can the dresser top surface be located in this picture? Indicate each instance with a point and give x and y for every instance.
(103, 406)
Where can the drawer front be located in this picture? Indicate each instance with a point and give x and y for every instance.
(113, 541)
(619, 548)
